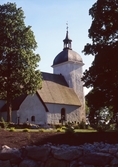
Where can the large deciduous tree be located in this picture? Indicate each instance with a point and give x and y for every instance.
(18, 62)
(102, 76)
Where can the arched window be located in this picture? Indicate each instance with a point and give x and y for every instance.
(33, 118)
(63, 114)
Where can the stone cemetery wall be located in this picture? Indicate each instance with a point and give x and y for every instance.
(48, 155)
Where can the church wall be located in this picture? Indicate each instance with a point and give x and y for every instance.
(32, 106)
(73, 74)
(54, 114)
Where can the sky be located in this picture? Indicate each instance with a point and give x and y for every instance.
(48, 20)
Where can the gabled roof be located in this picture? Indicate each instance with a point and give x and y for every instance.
(18, 101)
(56, 90)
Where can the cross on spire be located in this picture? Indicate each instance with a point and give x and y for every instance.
(67, 41)
(67, 26)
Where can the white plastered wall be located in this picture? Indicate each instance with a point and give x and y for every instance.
(32, 106)
(54, 114)
(72, 72)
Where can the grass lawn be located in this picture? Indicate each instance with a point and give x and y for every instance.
(50, 130)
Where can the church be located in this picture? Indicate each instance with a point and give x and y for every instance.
(61, 98)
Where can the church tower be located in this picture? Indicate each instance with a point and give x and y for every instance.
(69, 64)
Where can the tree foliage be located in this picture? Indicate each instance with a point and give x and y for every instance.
(102, 76)
(18, 62)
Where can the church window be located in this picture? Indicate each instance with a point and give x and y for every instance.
(63, 114)
(33, 118)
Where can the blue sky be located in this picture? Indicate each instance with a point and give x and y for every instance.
(48, 19)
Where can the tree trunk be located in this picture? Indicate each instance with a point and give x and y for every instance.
(9, 97)
(9, 109)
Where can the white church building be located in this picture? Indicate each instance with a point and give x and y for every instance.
(61, 98)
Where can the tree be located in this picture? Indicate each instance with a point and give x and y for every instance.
(87, 108)
(18, 62)
(102, 76)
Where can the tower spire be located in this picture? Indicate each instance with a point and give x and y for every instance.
(67, 41)
(67, 26)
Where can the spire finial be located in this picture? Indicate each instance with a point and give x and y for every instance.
(67, 41)
(67, 26)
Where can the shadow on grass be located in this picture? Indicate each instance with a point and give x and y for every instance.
(79, 138)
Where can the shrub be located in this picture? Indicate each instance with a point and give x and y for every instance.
(82, 125)
(63, 128)
(100, 128)
(41, 130)
(4, 124)
(58, 126)
(112, 126)
(76, 126)
(60, 130)
(12, 129)
(26, 130)
(11, 125)
(69, 129)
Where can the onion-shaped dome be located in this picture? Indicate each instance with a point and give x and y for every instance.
(67, 54)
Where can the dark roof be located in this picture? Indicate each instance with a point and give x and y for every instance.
(67, 38)
(15, 104)
(55, 90)
(67, 55)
